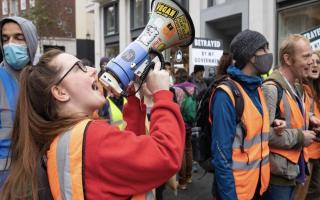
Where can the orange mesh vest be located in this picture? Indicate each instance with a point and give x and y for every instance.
(314, 148)
(253, 162)
(289, 110)
(65, 165)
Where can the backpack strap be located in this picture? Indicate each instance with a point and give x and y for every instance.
(239, 102)
(186, 91)
(239, 107)
(174, 94)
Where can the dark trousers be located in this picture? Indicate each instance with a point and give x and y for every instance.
(159, 192)
(314, 185)
(186, 169)
(277, 192)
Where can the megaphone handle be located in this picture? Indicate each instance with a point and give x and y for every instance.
(146, 71)
(159, 55)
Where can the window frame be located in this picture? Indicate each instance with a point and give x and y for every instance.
(116, 23)
(145, 14)
(184, 3)
(281, 6)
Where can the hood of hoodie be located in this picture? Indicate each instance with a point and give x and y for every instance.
(30, 34)
(250, 83)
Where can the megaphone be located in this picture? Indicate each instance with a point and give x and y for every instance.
(169, 25)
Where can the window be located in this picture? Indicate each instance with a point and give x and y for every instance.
(5, 10)
(297, 19)
(184, 3)
(139, 13)
(14, 10)
(23, 5)
(32, 3)
(111, 19)
(112, 50)
(215, 2)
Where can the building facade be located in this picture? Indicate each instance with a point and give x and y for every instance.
(63, 24)
(275, 19)
(119, 22)
(85, 30)
(54, 21)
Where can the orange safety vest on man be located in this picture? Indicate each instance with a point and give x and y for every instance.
(290, 111)
(65, 165)
(314, 148)
(250, 155)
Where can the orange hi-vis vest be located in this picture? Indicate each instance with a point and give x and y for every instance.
(314, 148)
(65, 166)
(290, 111)
(250, 153)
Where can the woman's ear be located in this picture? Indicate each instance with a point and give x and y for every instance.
(59, 93)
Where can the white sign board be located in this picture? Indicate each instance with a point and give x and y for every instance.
(206, 52)
(314, 36)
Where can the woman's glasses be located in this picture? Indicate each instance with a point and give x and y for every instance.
(78, 64)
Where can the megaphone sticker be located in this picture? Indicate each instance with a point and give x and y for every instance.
(129, 55)
(158, 22)
(158, 44)
(166, 10)
(148, 35)
(183, 27)
(168, 31)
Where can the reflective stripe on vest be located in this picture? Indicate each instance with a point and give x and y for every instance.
(116, 116)
(290, 111)
(251, 164)
(65, 165)
(314, 148)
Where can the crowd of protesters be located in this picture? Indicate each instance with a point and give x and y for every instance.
(63, 136)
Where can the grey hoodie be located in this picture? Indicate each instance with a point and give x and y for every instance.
(29, 32)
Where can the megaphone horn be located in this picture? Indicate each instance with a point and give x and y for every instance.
(169, 25)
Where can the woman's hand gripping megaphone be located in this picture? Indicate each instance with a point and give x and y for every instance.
(157, 79)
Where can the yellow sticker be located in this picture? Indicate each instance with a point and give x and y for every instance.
(183, 27)
(166, 10)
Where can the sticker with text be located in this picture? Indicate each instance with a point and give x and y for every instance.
(148, 35)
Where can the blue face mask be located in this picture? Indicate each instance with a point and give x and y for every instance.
(16, 55)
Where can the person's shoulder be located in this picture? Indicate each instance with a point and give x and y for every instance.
(5, 74)
(98, 123)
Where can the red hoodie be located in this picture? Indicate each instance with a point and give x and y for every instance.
(119, 164)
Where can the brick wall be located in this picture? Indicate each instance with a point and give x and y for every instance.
(54, 18)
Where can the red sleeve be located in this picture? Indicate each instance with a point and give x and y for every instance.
(124, 164)
(134, 113)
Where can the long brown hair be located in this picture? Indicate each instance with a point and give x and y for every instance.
(36, 124)
(224, 62)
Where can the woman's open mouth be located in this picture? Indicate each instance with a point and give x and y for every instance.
(95, 86)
